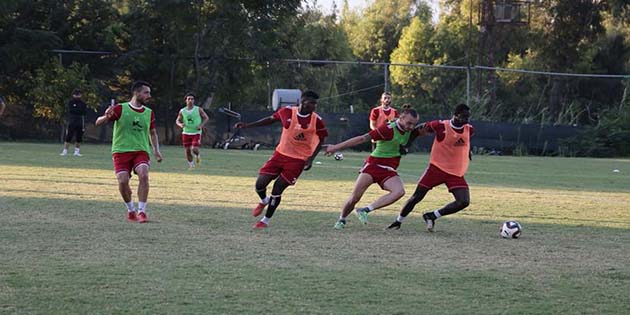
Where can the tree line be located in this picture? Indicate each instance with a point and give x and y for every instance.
(236, 52)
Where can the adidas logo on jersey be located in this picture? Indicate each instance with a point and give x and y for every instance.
(460, 142)
(300, 137)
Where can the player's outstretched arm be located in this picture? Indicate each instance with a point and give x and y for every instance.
(105, 118)
(422, 129)
(101, 120)
(332, 148)
(262, 122)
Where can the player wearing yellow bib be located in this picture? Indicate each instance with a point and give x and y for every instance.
(134, 137)
(191, 119)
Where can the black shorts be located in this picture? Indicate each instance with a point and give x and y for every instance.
(74, 130)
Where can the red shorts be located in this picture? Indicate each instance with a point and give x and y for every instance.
(380, 174)
(128, 161)
(286, 167)
(191, 140)
(434, 176)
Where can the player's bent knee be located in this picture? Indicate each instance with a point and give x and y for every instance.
(415, 198)
(463, 203)
(402, 193)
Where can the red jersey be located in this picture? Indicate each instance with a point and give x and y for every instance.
(436, 127)
(451, 147)
(384, 132)
(117, 111)
(284, 115)
(381, 116)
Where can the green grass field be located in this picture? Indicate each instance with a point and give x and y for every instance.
(66, 248)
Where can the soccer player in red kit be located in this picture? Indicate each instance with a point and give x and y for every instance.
(380, 167)
(302, 136)
(450, 156)
(134, 138)
(382, 114)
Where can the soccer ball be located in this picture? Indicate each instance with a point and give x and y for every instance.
(338, 156)
(510, 229)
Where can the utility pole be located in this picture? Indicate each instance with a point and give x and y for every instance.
(494, 16)
(485, 56)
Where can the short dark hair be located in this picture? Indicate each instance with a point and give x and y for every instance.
(460, 108)
(310, 94)
(386, 93)
(190, 94)
(136, 86)
(76, 92)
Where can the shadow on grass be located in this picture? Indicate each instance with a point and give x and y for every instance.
(75, 257)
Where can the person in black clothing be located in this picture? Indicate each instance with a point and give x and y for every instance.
(76, 123)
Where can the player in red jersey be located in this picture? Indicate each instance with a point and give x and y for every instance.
(380, 167)
(382, 114)
(134, 138)
(450, 156)
(302, 136)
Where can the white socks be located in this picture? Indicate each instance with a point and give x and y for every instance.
(141, 206)
(437, 214)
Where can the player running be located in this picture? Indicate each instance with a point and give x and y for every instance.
(450, 156)
(380, 166)
(134, 125)
(302, 136)
(191, 119)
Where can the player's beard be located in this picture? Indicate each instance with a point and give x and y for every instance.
(142, 101)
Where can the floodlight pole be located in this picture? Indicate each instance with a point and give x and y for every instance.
(470, 13)
(386, 79)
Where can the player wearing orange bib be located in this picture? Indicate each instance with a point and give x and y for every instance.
(450, 156)
(303, 133)
(382, 114)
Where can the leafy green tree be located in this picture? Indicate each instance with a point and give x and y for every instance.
(53, 85)
(375, 34)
